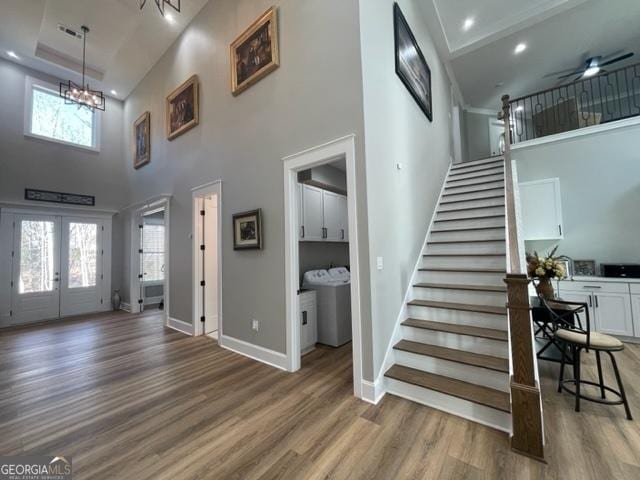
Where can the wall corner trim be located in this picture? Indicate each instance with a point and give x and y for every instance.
(255, 352)
(372, 392)
(180, 326)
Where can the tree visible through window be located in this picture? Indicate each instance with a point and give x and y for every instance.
(153, 252)
(36, 256)
(83, 254)
(52, 118)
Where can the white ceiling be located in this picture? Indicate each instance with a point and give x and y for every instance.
(122, 46)
(559, 34)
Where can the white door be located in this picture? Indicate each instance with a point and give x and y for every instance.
(496, 137)
(82, 272)
(613, 313)
(210, 259)
(541, 209)
(331, 208)
(312, 213)
(343, 218)
(36, 268)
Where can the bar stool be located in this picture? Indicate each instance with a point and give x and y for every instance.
(576, 338)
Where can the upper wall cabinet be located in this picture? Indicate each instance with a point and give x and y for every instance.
(323, 215)
(541, 209)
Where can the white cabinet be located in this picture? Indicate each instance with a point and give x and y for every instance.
(541, 209)
(635, 312)
(312, 227)
(323, 215)
(308, 320)
(609, 305)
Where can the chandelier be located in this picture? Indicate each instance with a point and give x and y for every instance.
(82, 95)
(161, 4)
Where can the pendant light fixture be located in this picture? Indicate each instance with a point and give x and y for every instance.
(81, 94)
(161, 4)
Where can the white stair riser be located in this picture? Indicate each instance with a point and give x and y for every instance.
(494, 221)
(476, 165)
(473, 188)
(457, 316)
(458, 371)
(483, 346)
(464, 208)
(493, 234)
(447, 403)
(477, 183)
(462, 278)
(464, 248)
(458, 198)
(463, 262)
(499, 170)
(471, 297)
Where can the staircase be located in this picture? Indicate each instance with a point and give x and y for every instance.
(454, 353)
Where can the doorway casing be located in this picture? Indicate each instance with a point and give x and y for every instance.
(340, 149)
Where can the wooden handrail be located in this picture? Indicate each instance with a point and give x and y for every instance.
(526, 408)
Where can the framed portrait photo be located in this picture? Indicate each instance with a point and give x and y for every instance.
(584, 268)
(183, 108)
(411, 65)
(247, 230)
(142, 140)
(254, 54)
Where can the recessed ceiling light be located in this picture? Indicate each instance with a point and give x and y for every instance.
(113, 92)
(169, 18)
(521, 47)
(468, 23)
(12, 54)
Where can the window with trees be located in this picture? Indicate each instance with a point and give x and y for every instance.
(153, 252)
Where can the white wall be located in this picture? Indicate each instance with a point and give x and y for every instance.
(314, 97)
(477, 135)
(600, 190)
(400, 202)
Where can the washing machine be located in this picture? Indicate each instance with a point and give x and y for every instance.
(333, 297)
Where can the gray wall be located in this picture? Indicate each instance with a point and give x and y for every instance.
(400, 202)
(600, 190)
(317, 255)
(476, 127)
(28, 162)
(314, 97)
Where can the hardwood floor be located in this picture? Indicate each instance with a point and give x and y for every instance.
(130, 399)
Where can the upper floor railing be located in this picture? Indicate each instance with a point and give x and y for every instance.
(586, 102)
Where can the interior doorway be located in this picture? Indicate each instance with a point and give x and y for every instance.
(328, 229)
(207, 250)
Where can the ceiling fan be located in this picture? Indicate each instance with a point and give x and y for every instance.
(592, 66)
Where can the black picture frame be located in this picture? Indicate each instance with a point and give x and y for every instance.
(252, 226)
(416, 78)
(59, 197)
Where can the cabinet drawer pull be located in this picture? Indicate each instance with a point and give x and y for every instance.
(302, 229)
(590, 301)
(591, 286)
(596, 301)
(342, 233)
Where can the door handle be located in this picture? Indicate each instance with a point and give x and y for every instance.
(590, 301)
(560, 229)
(302, 229)
(342, 232)
(596, 301)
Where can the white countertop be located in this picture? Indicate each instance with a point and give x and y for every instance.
(578, 278)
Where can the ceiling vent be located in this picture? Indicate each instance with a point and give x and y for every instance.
(70, 32)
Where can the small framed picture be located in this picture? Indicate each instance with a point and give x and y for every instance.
(183, 109)
(254, 54)
(247, 230)
(585, 268)
(567, 269)
(141, 136)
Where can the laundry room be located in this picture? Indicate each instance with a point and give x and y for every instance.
(325, 278)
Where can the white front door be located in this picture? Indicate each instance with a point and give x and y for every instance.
(81, 260)
(36, 268)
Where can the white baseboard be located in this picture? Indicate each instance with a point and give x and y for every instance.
(180, 326)
(372, 392)
(261, 354)
(125, 306)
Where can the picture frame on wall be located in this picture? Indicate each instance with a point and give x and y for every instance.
(247, 230)
(183, 108)
(255, 53)
(142, 140)
(584, 268)
(411, 65)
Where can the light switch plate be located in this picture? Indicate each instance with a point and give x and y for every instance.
(380, 263)
(255, 325)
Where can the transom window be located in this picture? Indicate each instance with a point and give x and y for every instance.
(48, 117)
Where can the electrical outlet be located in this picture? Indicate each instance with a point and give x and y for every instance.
(255, 325)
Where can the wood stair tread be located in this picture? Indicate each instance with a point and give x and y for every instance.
(485, 166)
(463, 270)
(470, 199)
(472, 191)
(469, 229)
(453, 177)
(469, 218)
(477, 184)
(453, 355)
(468, 330)
(465, 307)
(471, 208)
(440, 242)
(453, 286)
(477, 163)
(456, 388)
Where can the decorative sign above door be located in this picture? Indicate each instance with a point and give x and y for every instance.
(59, 197)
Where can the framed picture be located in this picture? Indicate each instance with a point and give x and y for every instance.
(254, 54)
(247, 230)
(567, 269)
(183, 109)
(411, 65)
(142, 140)
(584, 268)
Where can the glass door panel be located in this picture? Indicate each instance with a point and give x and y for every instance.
(83, 251)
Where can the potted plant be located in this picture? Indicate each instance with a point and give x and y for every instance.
(544, 269)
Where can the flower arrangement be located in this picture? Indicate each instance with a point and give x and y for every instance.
(544, 269)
